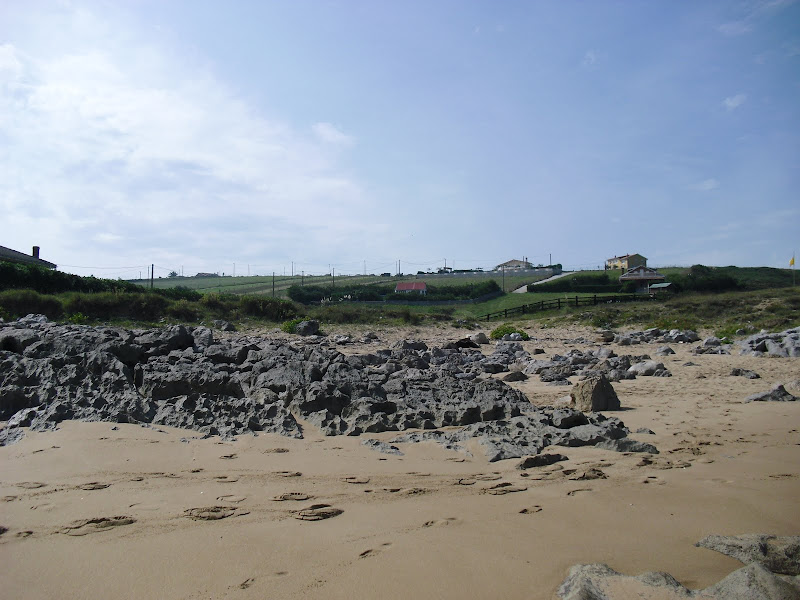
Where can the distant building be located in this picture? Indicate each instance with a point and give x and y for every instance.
(644, 278)
(411, 286)
(12, 256)
(626, 262)
(207, 275)
(514, 265)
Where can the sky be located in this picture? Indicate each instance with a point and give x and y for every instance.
(304, 136)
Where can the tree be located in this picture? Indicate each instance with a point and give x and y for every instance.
(173, 273)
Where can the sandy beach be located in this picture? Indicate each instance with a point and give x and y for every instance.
(104, 510)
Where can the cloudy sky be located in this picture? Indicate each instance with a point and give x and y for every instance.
(267, 134)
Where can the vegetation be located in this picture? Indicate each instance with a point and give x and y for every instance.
(507, 329)
(359, 293)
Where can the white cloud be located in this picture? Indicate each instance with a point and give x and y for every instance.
(589, 59)
(734, 102)
(330, 134)
(705, 186)
(114, 136)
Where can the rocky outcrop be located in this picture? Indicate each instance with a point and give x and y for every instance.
(783, 344)
(183, 377)
(601, 582)
(779, 554)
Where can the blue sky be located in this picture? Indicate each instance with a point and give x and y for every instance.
(267, 134)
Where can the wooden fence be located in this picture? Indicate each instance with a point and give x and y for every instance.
(558, 303)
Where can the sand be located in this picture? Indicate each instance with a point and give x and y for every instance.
(97, 510)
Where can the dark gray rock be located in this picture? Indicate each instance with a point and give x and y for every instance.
(777, 394)
(305, 328)
(626, 445)
(515, 376)
(383, 447)
(737, 372)
(540, 460)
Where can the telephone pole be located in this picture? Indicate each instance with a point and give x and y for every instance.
(273, 284)
(152, 266)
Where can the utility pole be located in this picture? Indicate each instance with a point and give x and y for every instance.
(273, 284)
(234, 269)
(302, 278)
(365, 268)
(151, 276)
(504, 278)
(551, 260)
(333, 277)
(248, 270)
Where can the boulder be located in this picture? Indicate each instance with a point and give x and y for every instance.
(594, 394)
(310, 327)
(777, 394)
(479, 338)
(647, 368)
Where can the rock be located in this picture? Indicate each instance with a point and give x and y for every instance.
(479, 338)
(647, 368)
(223, 325)
(779, 554)
(605, 336)
(645, 430)
(515, 376)
(382, 447)
(601, 582)
(540, 460)
(306, 328)
(777, 394)
(626, 445)
(594, 395)
(737, 372)
(664, 351)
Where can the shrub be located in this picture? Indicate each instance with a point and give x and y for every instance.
(290, 326)
(18, 303)
(183, 310)
(77, 318)
(267, 307)
(506, 329)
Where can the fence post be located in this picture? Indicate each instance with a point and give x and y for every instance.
(594, 302)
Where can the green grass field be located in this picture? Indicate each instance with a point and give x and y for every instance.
(263, 284)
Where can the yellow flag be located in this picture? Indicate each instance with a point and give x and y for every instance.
(791, 262)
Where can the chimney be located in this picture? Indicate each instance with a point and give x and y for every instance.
(36, 252)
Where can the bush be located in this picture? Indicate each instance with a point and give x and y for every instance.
(506, 329)
(106, 305)
(183, 310)
(290, 326)
(267, 307)
(18, 303)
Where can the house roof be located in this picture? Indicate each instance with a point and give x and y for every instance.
(409, 286)
(10, 255)
(661, 286)
(513, 263)
(642, 274)
(626, 256)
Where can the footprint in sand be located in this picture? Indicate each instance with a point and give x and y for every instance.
(231, 498)
(292, 496)
(374, 551)
(356, 480)
(531, 510)
(227, 478)
(573, 492)
(276, 451)
(317, 512)
(93, 485)
(87, 526)
(653, 479)
(488, 476)
(229, 456)
(503, 488)
(466, 481)
(31, 485)
(288, 473)
(441, 522)
(8, 498)
(24, 534)
(212, 513)
(783, 476)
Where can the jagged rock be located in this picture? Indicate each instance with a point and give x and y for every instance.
(383, 447)
(594, 395)
(777, 394)
(601, 582)
(664, 351)
(737, 372)
(223, 325)
(779, 554)
(626, 445)
(783, 344)
(306, 328)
